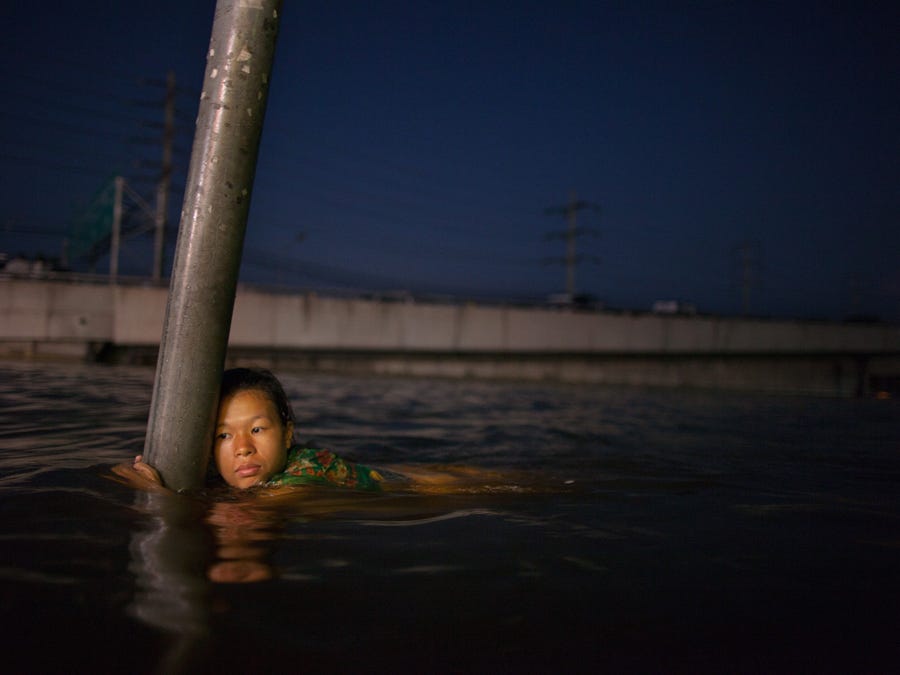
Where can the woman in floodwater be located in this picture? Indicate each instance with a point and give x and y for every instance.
(254, 452)
(254, 442)
(253, 447)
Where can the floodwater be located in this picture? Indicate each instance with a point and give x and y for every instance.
(611, 530)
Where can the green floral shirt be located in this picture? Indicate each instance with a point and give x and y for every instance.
(308, 466)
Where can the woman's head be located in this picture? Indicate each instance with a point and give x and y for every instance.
(257, 379)
(254, 427)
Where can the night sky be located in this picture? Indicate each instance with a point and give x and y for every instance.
(743, 156)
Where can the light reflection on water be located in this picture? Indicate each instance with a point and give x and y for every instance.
(636, 529)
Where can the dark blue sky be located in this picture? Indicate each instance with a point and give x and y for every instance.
(417, 145)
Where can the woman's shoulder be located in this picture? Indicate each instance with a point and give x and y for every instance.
(311, 466)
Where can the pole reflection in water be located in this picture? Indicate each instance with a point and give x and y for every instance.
(169, 560)
(187, 545)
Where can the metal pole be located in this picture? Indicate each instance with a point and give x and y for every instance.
(116, 234)
(210, 240)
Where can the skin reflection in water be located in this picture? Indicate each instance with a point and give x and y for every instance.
(242, 531)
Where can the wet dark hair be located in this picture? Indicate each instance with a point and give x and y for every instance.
(257, 379)
(250, 379)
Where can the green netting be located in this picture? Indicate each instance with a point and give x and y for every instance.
(93, 225)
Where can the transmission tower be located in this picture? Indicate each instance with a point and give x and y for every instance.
(570, 211)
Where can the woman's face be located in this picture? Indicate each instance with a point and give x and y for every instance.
(251, 441)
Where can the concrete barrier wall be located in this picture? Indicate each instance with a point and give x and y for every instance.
(32, 310)
(57, 319)
(140, 313)
(311, 322)
(133, 315)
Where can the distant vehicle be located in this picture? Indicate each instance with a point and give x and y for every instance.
(674, 307)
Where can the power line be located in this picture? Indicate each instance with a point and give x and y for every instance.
(61, 86)
(54, 166)
(79, 129)
(48, 104)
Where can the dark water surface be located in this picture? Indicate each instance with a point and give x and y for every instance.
(617, 530)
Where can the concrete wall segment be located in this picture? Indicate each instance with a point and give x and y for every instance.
(55, 311)
(479, 328)
(139, 313)
(133, 315)
(254, 320)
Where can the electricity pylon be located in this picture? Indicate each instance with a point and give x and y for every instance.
(571, 234)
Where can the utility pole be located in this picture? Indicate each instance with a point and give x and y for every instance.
(571, 233)
(210, 240)
(116, 234)
(165, 179)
